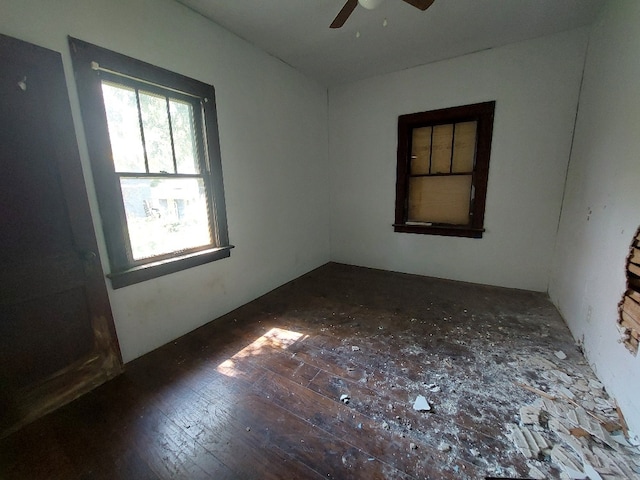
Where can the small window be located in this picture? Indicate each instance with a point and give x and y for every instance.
(153, 142)
(442, 172)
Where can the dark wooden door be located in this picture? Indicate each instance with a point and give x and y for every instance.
(57, 338)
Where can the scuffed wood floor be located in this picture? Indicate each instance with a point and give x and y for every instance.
(256, 393)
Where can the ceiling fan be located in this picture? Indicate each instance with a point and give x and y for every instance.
(351, 5)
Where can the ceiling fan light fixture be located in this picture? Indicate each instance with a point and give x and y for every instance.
(370, 4)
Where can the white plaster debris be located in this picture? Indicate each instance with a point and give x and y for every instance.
(560, 354)
(412, 446)
(574, 425)
(568, 462)
(529, 415)
(581, 385)
(354, 348)
(562, 376)
(534, 472)
(433, 388)
(444, 447)
(564, 391)
(634, 438)
(421, 404)
(528, 441)
(344, 398)
(537, 361)
(595, 385)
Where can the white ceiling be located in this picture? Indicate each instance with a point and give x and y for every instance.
(298, 33)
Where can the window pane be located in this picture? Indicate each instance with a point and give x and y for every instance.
(420, 150)
(464, 148)
(124, 127)
(157, 136)
(441, 150)
(165, 215)
(444, 199)
(183, 136)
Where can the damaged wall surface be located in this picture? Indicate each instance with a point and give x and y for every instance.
(600, 211)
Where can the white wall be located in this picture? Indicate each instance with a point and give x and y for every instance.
(601, 210)
(535, 85)
(273, 135)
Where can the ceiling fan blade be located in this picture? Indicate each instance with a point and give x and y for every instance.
(342, 16)
(421, 4)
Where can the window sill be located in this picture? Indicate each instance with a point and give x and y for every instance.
(444, 230)
(152, 270)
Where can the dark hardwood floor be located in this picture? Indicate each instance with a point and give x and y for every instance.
(256, 393)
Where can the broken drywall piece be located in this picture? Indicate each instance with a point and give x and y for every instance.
(529, 442)
(581, 385)
(568, 463)
(529, 415)
(562, 376)
(595, 384)
(620, 466)
(354, 348)
(554, 408)
(591, 472)
(589, 405)
(603, 405)
(619, 437)
(560, 354)
(562, 390)
(421, 404)
(344, 398)
(538, 361)
(534, 472)
(633, 438)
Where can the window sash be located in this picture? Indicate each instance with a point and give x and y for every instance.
(196, 103)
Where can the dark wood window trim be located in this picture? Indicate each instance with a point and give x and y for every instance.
(483, 113)
(92, 64)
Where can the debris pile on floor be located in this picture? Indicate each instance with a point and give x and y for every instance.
(575, 426)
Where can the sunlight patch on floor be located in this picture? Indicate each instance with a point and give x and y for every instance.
(278, 338)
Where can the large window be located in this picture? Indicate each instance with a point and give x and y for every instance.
(153, 142)
(442, 171)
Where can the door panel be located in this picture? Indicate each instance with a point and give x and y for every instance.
(57, 338)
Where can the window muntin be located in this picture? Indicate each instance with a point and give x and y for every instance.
(153, 142)
(443, 160)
